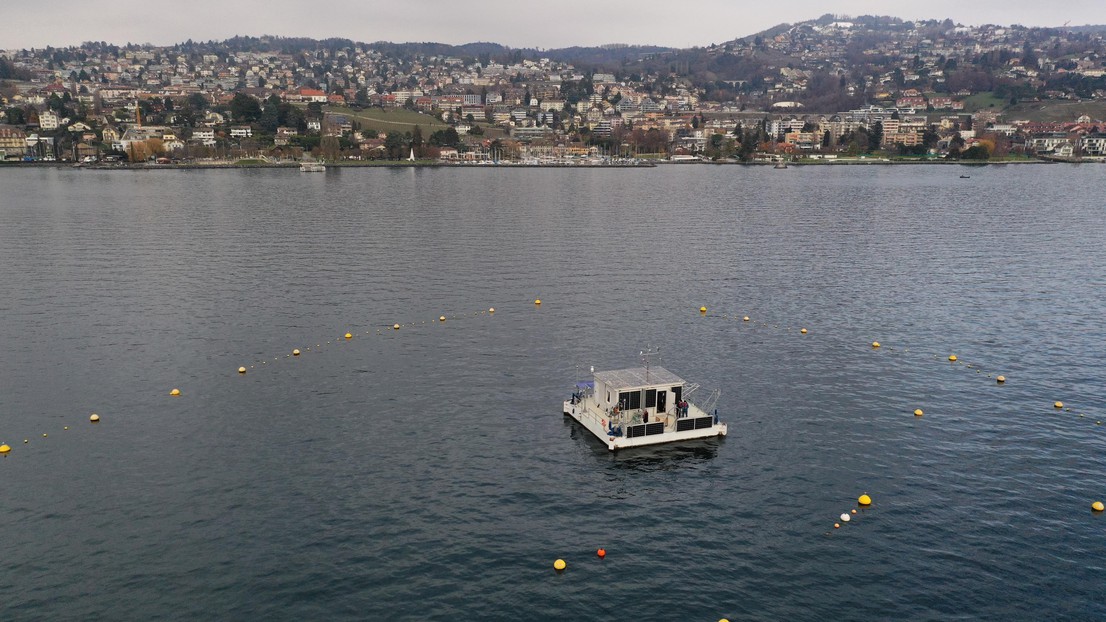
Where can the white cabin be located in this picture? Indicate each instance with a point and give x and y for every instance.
(640, 406)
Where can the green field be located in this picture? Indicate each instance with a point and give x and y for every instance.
(1057, 110)
(392, 120)
(400, 120)
(1049, 111)
(984, 101)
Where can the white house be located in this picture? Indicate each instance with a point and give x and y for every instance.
(48, 120)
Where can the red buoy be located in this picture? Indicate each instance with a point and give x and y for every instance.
(602, 553)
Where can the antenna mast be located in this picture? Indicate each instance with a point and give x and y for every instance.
(645, 354)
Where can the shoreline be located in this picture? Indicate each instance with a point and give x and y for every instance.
(515, 165)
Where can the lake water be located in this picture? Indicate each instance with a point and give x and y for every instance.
(428, 473)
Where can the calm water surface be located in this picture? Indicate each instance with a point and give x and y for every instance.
(428, 473)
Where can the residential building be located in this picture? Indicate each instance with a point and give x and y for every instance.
(13, 142)
(48, 120)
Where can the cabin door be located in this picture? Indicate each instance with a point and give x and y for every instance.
(662, 397)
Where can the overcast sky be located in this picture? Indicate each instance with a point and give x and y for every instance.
(560, 23)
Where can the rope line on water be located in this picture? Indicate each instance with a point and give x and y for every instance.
(320, 345)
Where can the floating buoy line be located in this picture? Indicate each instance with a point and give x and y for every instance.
(742, 320)
(349, 336)
(953, 360)
(352, 335)
(752, 322)
(850, 517)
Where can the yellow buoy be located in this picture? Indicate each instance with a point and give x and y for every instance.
(491, 310)
(952, 358)
(441, 318)
(1001, 379)
(241, 370)
(559, 564)
(918, 412)
(395, 326)
(349, 335)
(94, 418)
(296, 352)
(875, 344)
(43, 435)
(1058, 405)
(4, 449)
(864, 500)
(745, 319)
(25, 441)
(537, 301)
(802, 330)
(1096, 506)
(702, 309)
(65, 428)
(175, 392)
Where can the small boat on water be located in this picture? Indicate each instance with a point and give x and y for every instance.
(312, 167)
(642, 406)
(780, 164)
(965, 177)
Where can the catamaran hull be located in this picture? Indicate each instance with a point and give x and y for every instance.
(594, 423)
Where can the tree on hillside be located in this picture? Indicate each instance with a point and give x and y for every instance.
(16, 116)
(55, 103)
(875, 136)
(197, 102)
(293, 117)
(329, 147)
(975, 152)
(9, 71)
(444, 138)
(245, 109)
(270, 118)
(394, 145)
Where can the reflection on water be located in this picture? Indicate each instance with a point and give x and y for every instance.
(667, 456)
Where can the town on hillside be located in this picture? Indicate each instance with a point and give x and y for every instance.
(831, 89)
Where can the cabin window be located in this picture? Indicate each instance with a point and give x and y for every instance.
(608, 397)
(629, 399)
(650, 398)
(678, 393)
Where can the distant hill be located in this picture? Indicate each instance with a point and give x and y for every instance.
(607, 57)
(834, 62)
(1099, 28)
(604, 57)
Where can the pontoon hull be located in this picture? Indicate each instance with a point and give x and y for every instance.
(594, 421)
